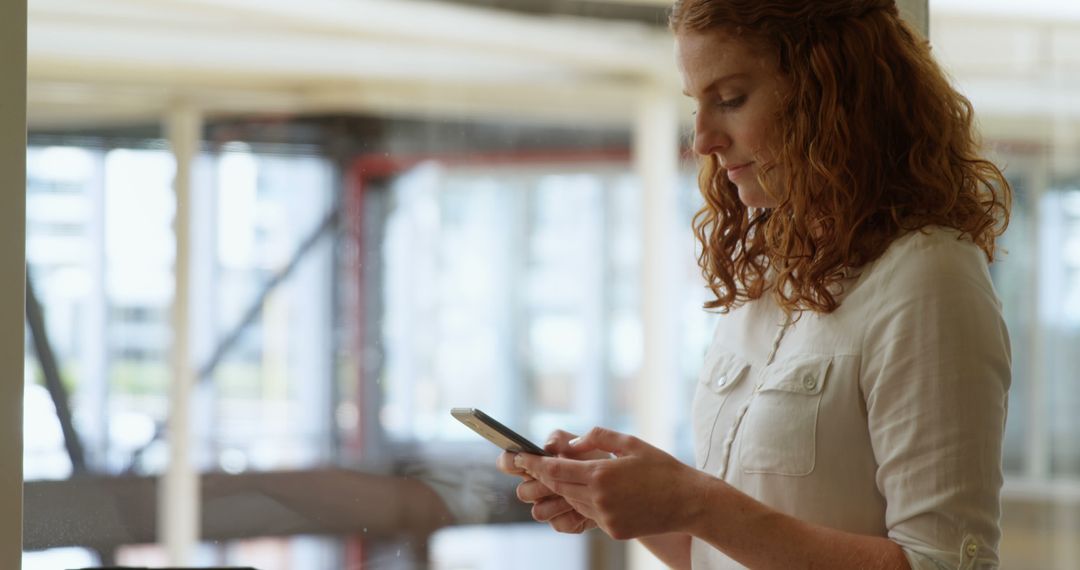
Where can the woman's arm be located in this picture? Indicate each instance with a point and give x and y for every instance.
(646, 492)
(759, 537)
(672, 549)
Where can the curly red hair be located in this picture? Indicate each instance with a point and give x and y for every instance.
(876, 142)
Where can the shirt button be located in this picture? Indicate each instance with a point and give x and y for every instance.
(972, 549)
(810, 382)
(722, 381)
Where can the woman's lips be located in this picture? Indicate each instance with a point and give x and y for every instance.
(734, 172)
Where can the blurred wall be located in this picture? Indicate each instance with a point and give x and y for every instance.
(916, 12)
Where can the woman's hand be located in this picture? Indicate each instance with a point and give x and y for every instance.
(642, 492)
(547, 506)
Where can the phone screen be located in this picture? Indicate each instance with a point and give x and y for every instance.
(495, 432)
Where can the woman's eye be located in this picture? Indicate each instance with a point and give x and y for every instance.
(721, 104)
(732, 103)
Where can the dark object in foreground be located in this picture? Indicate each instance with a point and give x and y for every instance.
(169, 568)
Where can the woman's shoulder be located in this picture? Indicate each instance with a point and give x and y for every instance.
(943, 239)
(935, 265)
(927, 256)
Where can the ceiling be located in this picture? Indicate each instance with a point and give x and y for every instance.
(123, 61)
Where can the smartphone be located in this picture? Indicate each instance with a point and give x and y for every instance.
(495, 432)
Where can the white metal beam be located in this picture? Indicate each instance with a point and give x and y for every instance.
(125, 62)
(122, 60)
(656, 161)
(179, 516)
(81, 50)
(618, 47)
(410, 26)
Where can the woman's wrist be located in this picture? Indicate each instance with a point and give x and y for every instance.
(703, 499)
(717, 512)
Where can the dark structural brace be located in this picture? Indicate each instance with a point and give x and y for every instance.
(53, 383)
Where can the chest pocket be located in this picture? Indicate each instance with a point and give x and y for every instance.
(720, 374)
(779, 431)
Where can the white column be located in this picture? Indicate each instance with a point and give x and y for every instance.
(12, 267)
(656, 161)
(178, 500)
(1037, 452)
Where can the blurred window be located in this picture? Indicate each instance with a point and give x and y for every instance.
(100, 250)
(497, 297)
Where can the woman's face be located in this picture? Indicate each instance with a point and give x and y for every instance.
(737, 90)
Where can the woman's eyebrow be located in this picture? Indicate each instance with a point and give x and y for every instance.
(720, 81)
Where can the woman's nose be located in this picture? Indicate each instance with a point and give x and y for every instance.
(709, 138)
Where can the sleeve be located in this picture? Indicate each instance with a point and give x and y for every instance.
(935, 377)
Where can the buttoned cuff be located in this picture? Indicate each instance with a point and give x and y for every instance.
(971, 555)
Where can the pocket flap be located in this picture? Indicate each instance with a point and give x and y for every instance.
(723, 370)
(803, 374)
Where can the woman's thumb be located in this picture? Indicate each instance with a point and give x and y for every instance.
(601, 439)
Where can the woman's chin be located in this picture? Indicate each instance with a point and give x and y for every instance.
(754, 198)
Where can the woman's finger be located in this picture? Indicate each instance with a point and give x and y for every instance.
(550, 508)
(558, 442)
(505, 463)
(587, 524)
(531, 491)
(571, 523)
(585, 509)
(607, 440)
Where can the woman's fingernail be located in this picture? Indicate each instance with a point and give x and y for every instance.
(575, 441)
(519, 460)
(551, 442)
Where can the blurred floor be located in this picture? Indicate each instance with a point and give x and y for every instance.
(1040, 535)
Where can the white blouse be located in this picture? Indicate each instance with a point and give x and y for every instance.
(883, 418)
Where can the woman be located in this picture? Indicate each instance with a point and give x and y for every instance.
(851, 406)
